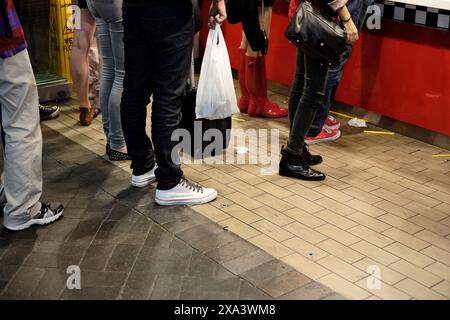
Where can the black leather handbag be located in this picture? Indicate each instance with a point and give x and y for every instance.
(316, 34)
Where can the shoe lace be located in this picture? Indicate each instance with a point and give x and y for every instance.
(44, 210)
(191, 186)
(45, 108)
(327, 130)
(331, 118)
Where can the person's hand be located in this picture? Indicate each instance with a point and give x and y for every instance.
(351, 31)
(217, 13)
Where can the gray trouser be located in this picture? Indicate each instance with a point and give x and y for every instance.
(108, 18)
(22, 176)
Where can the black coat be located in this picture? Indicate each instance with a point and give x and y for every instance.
(246, 12)
(198, 20)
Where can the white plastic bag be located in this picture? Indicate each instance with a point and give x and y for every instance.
(216, 97)
(358, 123)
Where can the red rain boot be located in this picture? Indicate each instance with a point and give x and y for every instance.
(256, 81)
(245, 96)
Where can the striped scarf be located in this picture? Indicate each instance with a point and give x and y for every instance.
(12, 39)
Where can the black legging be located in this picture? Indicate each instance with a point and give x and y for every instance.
(307, 95)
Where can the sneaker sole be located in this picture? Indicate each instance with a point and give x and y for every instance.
(204, 200)
(284, 174)
(142, 184)
(323, 140)
(40, 222)
(51, 116)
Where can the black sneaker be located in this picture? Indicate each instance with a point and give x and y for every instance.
(48, 113)
(49, 213)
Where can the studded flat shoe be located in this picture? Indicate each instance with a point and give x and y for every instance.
(118, 156)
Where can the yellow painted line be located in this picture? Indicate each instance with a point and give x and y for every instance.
(380, 132)
(346, 116)
(239, 119)
(440, 155)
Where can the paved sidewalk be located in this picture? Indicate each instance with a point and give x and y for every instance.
(384, 208)
(129, 248)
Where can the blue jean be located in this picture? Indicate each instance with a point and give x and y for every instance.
(358, 10)
(108, 17)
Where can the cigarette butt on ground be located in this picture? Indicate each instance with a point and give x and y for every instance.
(441, 155)
(380, 132)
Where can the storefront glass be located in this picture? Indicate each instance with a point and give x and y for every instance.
(43, 22)
(35, 19)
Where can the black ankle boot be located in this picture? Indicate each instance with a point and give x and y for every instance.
(312, 160)
(295, 166)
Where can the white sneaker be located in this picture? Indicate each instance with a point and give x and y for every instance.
(144, 179)
(185, 193)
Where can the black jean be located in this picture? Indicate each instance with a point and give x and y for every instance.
(306, 97)
(158, 46)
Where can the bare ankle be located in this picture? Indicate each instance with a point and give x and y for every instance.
(123, 149)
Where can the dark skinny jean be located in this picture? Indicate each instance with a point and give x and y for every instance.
(310, 84)
(158, 38)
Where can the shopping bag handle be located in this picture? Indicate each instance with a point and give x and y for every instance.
(216, 38)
